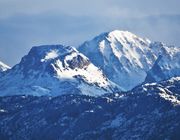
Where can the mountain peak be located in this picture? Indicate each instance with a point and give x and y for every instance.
(45, 59)
(121, 36)
(123, 56)
(55, 70)
(50, 51)
(119, 33)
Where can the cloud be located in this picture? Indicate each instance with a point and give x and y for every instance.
(125, 8)
(24, 24)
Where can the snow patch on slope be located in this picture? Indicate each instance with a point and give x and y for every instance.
(51, 55)
(3, 67)
(173, 99)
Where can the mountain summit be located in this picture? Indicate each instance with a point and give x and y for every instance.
(124, 57)
(55, 70)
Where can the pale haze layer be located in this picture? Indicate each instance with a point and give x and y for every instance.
(24, 24)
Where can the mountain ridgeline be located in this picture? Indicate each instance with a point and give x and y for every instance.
(111, 62)
(116, 86)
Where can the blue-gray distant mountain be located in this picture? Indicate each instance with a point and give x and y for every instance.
(55, 70)
(166, 66)
(126, 58)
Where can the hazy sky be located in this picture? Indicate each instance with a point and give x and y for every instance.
(27, 23)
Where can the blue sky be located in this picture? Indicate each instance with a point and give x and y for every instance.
(24, 24)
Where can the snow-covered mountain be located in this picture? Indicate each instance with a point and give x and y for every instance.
(3, 67)
(55, 70)
(126, 58)
(166, 66)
